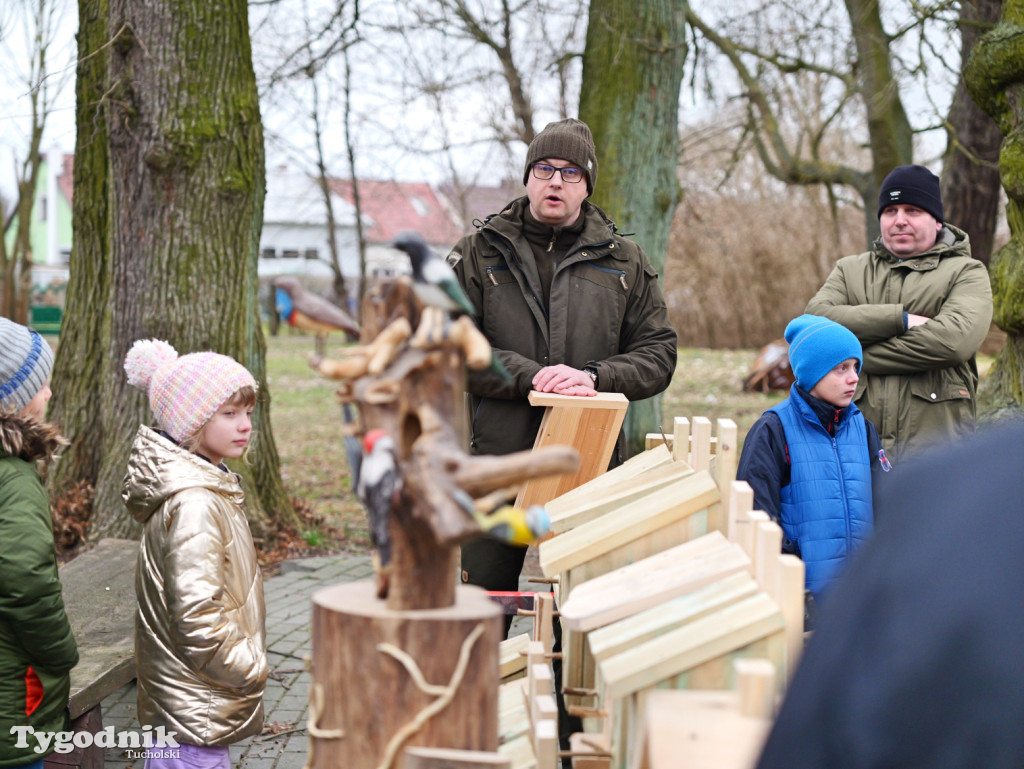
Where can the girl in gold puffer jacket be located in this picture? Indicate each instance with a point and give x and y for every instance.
(200, 637)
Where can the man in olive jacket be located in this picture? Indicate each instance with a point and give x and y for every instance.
(921, 307)
(568, 306)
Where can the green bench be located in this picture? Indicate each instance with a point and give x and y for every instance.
(46, 320)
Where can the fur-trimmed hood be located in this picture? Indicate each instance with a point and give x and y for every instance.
(28, 438)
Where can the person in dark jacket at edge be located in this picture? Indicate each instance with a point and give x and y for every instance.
(811, 459)
(917, 662)
(37, 647)
(569, 307)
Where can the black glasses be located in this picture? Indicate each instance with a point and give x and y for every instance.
(569, 174)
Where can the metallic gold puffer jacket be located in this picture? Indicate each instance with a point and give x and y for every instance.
(200, 635)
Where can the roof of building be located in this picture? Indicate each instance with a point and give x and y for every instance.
(390, 207)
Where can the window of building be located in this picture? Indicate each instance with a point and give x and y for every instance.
(289, 253)
(269, 253)
(312, 253)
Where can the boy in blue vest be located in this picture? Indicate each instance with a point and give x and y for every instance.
(810, 459)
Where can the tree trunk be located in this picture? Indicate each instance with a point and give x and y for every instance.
(970, 169)
(995, 77)
(176, 147)
(632, 72)
(889, 131)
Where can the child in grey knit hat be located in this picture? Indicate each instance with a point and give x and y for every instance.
(37, 647)
(25, 363)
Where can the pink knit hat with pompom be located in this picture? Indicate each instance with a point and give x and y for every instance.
(184, 392)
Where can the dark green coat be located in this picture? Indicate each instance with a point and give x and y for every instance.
(36, 643)
(917, 385)
(606, 310)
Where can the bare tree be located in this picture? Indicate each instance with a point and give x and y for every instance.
(854, 53)
(40, 21)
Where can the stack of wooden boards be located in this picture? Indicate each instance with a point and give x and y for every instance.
(665, 578)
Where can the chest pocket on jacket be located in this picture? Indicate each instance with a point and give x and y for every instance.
(501, 294)
(597, 301)
(939, 389)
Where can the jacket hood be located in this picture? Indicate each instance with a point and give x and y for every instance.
(28, 438)
(157, 469)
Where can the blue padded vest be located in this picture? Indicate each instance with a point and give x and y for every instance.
(826, 508)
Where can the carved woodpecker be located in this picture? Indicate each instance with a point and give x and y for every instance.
(435, 283)
(379, 487)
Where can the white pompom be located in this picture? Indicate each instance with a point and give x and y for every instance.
(146, 357)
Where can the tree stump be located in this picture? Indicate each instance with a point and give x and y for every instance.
(368, 701)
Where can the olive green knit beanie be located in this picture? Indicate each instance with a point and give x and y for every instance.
(570, 140)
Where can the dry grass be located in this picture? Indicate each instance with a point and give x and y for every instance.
(308, 425)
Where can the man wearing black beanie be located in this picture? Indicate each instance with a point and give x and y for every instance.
(921, 307)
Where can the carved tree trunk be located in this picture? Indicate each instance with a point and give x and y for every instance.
(632, 71)
(169, 136)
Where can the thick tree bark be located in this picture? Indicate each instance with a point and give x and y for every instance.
(970, 169)
(889, 131)
(995, 77)
(632, 71)
(174, 257)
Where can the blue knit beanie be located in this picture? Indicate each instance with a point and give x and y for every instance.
(816, 346)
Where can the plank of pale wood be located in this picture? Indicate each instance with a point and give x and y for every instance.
(741, 502)
(705, 639)
(545, 743)
(629, 590)
(755, 685)
(583, 743)
(543, 620)
(590, 425)
(699, 730)
(589, 506)
(619, 636)
(725, 470)
(631, 468)
(700, 455)
(767, 549)
(513, 717)
(449, 758)
(511, 659)
(681, 439)
(520, 752)
(790, 598)
(674, 503)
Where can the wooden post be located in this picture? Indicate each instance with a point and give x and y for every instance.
(385, 679)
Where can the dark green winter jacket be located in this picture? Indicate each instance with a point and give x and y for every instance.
(605, 310)
(37, 649)
(917, 385)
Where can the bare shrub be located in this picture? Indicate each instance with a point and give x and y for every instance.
(747, 252)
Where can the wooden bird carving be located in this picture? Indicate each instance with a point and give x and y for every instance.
(305, 310)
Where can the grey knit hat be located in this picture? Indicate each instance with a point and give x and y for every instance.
(25, 363)
(568, 139)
